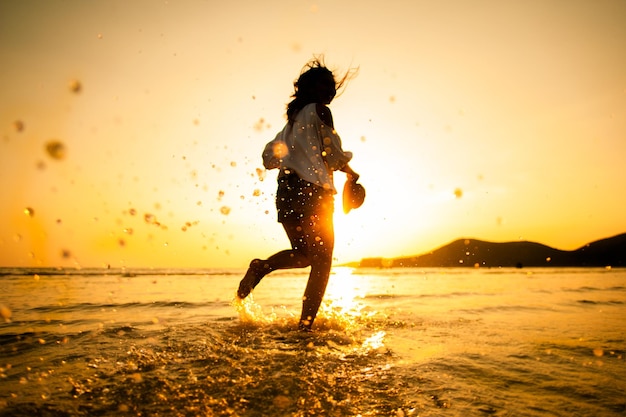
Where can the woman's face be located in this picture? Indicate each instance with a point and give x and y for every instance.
(326, 90)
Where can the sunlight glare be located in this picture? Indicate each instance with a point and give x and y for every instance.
(375, 341)
(343, 290)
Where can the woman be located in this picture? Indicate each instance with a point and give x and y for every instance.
(306, 151)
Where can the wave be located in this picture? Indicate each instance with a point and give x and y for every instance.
(502, 308)
(454, 294)
(95, 307)
(123, 272)
(602, 303)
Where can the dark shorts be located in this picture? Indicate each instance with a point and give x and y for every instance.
(297, 199)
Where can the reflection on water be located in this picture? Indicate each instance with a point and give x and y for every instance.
(386, 343)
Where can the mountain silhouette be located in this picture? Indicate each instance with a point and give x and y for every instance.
(479, 253)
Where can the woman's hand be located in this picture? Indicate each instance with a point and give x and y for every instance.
(352, 176)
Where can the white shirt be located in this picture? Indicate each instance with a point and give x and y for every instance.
(297, 147)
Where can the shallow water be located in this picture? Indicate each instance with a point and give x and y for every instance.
(394, 342)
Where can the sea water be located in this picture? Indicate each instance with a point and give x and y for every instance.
(387, 342)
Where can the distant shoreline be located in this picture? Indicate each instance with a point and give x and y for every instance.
(461, 253)
(475, 253)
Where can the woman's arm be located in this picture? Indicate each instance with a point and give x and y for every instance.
(326, 116)
(350, 173)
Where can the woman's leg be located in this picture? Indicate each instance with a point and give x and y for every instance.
(320, 239)
(291, 258)
(296, 257)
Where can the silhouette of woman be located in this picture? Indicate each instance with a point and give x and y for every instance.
(306, 152)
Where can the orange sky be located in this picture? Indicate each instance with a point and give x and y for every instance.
(163, 109)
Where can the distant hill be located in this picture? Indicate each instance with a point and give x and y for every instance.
(479, 253)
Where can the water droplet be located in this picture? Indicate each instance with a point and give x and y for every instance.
(225, 210)
(258, 126)
(5, 313)
(75, 86)
(29, 211)
(458, 193)
(280, 150)
(55, 149)
(18, 125)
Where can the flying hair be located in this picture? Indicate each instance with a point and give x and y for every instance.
(305, 87)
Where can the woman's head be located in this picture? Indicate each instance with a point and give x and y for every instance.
(316, 84)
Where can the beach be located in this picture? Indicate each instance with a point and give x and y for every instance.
(387, 342)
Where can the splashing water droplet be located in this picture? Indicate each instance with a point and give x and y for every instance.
(75, 86)
(18, 125)
(225, 210)
(5, 313)
(55, 149)
(260, 125)
(280, 150)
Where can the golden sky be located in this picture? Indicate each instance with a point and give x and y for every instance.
(131, 132)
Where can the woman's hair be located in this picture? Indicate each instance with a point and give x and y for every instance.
(306, 86)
